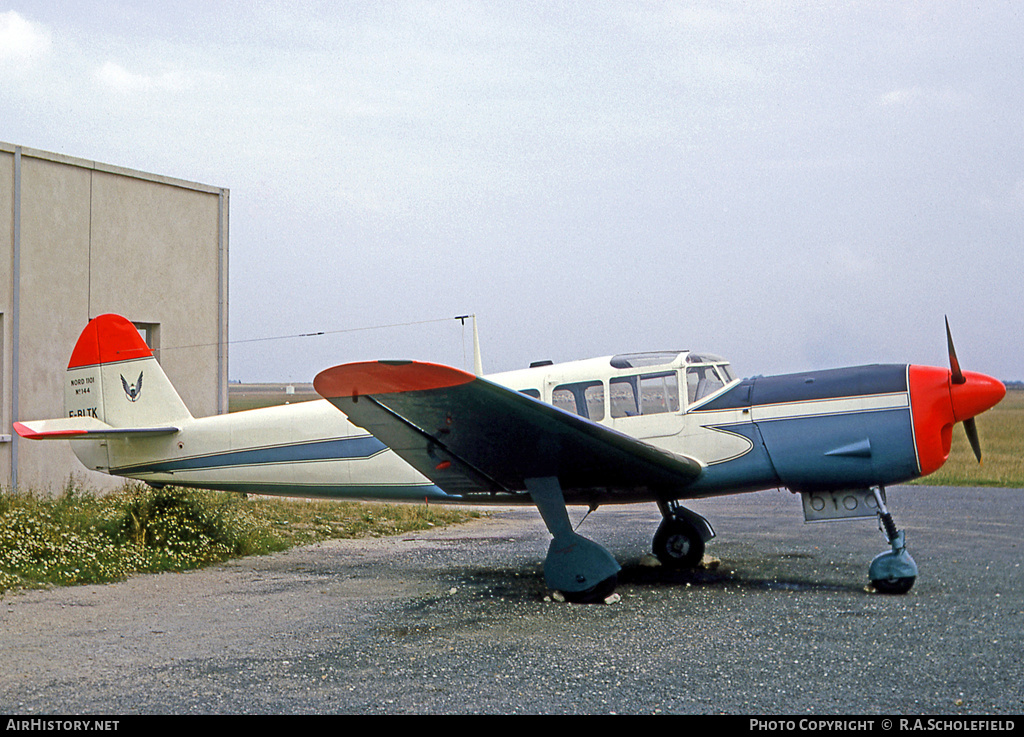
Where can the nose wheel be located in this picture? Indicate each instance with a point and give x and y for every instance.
(894, 571)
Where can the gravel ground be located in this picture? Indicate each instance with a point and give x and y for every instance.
(458, 621)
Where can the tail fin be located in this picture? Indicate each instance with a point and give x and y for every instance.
(114, 378)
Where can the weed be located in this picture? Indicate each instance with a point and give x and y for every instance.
(84, 537)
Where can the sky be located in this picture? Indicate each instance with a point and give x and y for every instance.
(790, 185)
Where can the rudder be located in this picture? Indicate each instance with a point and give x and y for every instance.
(113, 377)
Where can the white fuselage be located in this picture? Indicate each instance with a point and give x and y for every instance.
(311, 449)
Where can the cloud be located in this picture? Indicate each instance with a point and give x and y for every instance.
(918, 95)
(118, 78)
(22, 41)
(1006, 200)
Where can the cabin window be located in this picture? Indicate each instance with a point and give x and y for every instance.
(535, 393)
(646, 394)
(622, 396)
(584, 398)
(659, 393)
(702, 381)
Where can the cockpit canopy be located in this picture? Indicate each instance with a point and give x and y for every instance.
(641, 360)
(625, 385)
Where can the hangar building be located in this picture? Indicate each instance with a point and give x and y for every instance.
(79, 239)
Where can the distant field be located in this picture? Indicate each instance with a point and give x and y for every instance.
(1001, 430)
(253, 396)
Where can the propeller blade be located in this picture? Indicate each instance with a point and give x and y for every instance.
(957, 378)
(972, 435)
(954, 365)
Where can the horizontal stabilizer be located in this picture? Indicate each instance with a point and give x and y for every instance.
(72, 428)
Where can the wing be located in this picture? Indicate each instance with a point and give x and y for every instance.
(471, 436)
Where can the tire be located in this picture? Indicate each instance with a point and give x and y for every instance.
(595, 594)
(893, 585)
(678, 544)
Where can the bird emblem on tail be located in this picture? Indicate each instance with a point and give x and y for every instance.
(132, 391)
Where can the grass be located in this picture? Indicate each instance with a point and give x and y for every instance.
(81, 537)
(1001, 431)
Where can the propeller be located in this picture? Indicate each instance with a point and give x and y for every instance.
(957, 378)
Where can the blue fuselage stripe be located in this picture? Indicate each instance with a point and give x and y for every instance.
(339, 449)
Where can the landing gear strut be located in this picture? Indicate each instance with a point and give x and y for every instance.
(894, 571)
(679, 541)
(580, 568)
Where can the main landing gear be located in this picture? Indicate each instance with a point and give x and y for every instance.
(582, 570)
(894, 571)
(679, 541)
(586, 572)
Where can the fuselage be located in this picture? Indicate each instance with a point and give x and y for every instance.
(831, 429)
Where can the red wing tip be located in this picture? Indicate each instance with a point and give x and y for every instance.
(386, 377)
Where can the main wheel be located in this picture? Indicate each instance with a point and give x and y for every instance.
(678, 544)
(595, 594)
(893, 585)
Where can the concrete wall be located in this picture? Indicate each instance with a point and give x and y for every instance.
(79, 239)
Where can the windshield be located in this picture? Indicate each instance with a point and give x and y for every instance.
(702, 381)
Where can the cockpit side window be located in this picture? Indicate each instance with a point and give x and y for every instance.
(584, 398)
(702, 381)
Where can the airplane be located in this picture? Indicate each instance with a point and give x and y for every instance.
(659, 427)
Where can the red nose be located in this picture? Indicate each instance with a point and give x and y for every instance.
(937, 403)
(977, 394)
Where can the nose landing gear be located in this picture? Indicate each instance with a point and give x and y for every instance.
(894, 571)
